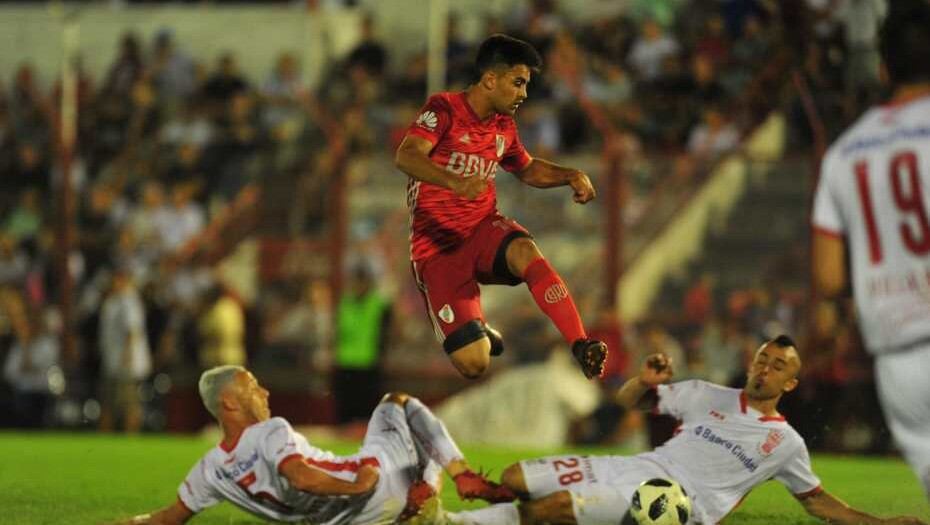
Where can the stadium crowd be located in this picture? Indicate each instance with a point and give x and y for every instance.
(168, 142)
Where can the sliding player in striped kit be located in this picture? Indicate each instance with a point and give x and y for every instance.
(264, 467)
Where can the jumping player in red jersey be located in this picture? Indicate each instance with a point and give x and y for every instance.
(459, 239)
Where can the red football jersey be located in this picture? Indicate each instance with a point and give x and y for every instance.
(466, 146)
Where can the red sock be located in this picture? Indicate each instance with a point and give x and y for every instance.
(553, 299)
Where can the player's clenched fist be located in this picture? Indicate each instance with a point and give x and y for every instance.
(656, 370)
(470, 187)
(584, 190)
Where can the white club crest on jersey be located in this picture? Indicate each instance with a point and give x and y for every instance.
(427, 120)
(446, 314)
(501, 143)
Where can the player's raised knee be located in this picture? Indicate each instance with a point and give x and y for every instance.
(472, 365)
(520, 253)
(469, 349)
(398, 398)
(513, 478)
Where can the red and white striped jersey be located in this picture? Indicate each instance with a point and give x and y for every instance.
(468, 147)
(247, 475)
(875, 190)
(724, 448)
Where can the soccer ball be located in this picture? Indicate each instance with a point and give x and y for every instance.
(660, 502)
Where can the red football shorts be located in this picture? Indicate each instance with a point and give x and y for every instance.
(449, 281)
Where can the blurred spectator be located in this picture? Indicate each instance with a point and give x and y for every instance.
(861, 20)
(225, 83)
(28, 368)
(172, 71)
(715, 135)
(13, 262)
(369, 53)
(283, 92)
(126, 69)
(24, 222)
(651, 50)
(458, 56)
(30, 167)
(363, 329)
(151, 221)
(125, 356)
(713, 42)
(186, 217)
(221, 327)
(29, 108)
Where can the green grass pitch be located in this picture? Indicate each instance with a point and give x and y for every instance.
(86, 478)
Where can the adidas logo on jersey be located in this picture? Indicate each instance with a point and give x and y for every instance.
(465, 139)
(427, 120)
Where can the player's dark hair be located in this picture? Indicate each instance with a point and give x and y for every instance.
(502, 50)
(905, 41)
(783, 341)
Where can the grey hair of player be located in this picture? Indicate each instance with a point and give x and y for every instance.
(213, 381)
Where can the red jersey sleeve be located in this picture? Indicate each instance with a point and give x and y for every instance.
(434, 120)
(516, 158)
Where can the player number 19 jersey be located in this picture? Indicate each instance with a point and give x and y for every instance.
(875, 190)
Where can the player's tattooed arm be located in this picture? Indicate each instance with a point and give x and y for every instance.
(656, 369)
(308, 479)
(176, 514)
(833, 510)
(412, 158)
(541, 173)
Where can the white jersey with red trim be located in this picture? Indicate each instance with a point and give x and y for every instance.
(723, 448)
(247, 475)
(875, 190)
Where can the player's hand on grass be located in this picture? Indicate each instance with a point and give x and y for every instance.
(584, 190)
(469, 187)
(656, 370)
(904, 520)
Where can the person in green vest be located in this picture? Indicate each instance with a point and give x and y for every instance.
(363, 326)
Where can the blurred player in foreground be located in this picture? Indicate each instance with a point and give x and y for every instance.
(264, 467)
(459, 239)
(873, 202)
(729, 441)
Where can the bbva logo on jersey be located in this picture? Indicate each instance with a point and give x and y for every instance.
(428, 120)
(470, 164)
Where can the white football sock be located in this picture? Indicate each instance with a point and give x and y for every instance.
(431, 434)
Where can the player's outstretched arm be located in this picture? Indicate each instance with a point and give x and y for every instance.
(175, 514)
(308, 479)
(541, 173)
(656, 369)
(833, 510)
(829, 263)
(412, 158)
